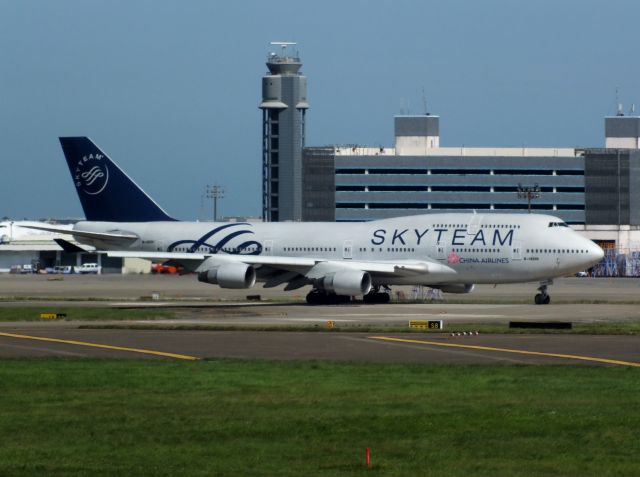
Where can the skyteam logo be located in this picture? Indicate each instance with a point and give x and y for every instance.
(91, 174)
(230, 238)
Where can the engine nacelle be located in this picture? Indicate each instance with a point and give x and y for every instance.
(230, 275)
(457, 288)
(348, 282)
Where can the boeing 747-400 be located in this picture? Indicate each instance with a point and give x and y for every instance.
(450, 251)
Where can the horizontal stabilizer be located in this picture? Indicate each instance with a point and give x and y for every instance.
(158, 256)
(68, 246)
(107, 236)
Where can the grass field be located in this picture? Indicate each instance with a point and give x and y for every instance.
(103, 314)
(21, 313)
(219, 418)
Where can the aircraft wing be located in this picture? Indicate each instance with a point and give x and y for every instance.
(307, 266)
(215, 259)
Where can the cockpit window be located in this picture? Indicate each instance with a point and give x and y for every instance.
(557, 224)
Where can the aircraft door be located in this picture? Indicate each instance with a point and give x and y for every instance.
(347, 249)
(268, 247)
(441, 251)
(474, 224)
(516, 251)
(154, 246)
(151, 246)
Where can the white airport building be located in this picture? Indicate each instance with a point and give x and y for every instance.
(24, 248)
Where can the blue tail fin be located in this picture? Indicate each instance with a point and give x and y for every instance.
(106, 193)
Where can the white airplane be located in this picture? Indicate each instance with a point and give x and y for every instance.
(451, 252)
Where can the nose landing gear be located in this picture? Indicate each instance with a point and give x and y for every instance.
(543, 297)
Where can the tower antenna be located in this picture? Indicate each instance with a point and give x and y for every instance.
(619, 111)
(424, 102)
(284, 45)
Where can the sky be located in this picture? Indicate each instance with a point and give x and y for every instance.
(170, 89)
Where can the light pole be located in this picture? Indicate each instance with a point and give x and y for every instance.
(529, 193)
(214, 192)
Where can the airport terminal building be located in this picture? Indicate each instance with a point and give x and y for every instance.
(596, 191)
(581, 186)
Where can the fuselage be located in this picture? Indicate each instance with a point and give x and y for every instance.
(479, 248)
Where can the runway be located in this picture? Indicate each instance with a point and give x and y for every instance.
(335, 346)
(187, 288)
(194, 305)
(353, 315)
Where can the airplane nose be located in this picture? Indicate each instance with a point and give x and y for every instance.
(598, 253)
(595, 253)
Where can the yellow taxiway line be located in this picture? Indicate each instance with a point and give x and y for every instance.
(96, 345)
(506, 350)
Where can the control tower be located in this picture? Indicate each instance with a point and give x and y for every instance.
(284, 104)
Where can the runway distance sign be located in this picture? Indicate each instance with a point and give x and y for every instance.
(426, 324)
(52, 316)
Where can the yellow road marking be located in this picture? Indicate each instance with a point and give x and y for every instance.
(507, 350)
(96, 345)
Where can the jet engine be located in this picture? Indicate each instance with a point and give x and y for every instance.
(230, 275)
(348, 282)
(457, 288)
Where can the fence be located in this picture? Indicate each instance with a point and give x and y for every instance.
(617, 263)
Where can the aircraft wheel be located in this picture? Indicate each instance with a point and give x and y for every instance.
(334, 299)
(542, 299)
(315, 297)
(377, 297)
(384, 297)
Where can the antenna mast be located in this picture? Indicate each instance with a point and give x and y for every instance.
(424, 102)
(284, 45)
(619, 111)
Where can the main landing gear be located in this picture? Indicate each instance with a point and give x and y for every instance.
(377, 296)
(319, 297)
(543, 297)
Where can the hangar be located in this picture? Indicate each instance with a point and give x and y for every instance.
(20, 246)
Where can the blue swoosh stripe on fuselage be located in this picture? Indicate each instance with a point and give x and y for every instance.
(215, 248)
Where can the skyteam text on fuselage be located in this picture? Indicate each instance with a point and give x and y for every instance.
(451, 252)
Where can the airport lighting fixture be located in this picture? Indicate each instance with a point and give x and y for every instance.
(214, 192)
(529, 192)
